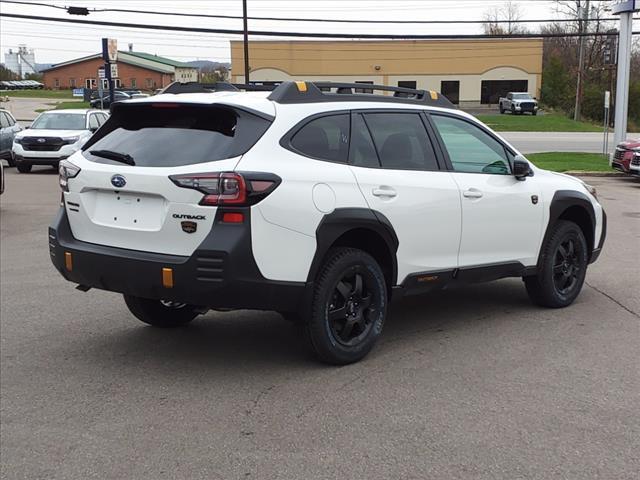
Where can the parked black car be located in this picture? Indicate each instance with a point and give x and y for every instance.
(106, 102)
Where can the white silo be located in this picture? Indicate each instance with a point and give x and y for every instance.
(11, 61)
(27, 60)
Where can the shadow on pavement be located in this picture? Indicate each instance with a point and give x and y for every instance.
(253, 341)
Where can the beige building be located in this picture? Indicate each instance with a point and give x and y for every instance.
(468, 72)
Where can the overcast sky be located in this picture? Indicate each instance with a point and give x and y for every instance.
(55, 42)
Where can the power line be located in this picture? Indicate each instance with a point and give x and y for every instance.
(318, 20)
(488, 46)
(266, 33)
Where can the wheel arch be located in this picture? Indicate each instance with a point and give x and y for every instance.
(361, 228)
(575, 207)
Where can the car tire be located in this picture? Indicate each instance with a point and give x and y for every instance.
(513, 110)
(348, 307)
(562, 267)
(534, 113)
(160, 313)
(501, 110)
(11, 161)
(23, 167)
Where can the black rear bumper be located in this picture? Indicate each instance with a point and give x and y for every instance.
(221, 273)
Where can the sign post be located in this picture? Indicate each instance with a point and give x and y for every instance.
(607, 104)
(101, 76)
(625, 9)
(110, 56)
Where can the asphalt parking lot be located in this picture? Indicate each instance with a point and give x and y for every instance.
(468, 383)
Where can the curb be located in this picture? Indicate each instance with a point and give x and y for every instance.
(577, 173)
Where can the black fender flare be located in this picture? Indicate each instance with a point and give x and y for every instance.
(342, 220)
(563, 200)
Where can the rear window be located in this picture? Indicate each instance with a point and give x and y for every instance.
(169, 135)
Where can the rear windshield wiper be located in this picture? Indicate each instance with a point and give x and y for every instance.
(111, 155)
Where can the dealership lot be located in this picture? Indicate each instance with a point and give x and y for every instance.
(467, 383)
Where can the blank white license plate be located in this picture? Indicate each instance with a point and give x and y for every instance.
(129, 210)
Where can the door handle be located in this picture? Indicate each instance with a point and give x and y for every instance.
(384, 192)
(472, 193)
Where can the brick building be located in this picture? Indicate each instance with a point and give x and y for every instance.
(135, 70)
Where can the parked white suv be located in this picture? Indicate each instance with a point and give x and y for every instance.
(55, 135)
(315, 202)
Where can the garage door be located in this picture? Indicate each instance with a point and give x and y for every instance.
(492, 90)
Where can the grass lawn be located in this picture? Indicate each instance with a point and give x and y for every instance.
(549, 122)
(571, 161)
(37, 93)
(65, 106)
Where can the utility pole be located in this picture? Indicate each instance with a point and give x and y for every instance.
(246, 42)
(583, 16)
(625, 9)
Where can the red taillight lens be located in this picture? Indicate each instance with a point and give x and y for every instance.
(228, 188)
(219, 188)
(66, 170)
(231, 190)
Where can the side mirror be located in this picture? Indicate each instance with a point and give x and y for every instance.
(521, 168)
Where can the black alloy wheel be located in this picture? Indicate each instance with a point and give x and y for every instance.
(562, 267)
(351, 313)
(348, 307)
(566, 266)
(161, 313)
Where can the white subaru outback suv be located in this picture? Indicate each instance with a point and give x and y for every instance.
(315, 202)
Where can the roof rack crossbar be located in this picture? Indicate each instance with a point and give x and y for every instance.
(256, 87)
(313, 92)
(199, 87)
(368, 86)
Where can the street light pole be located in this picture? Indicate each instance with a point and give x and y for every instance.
(622, 85)
(246, 42)
(584, 17)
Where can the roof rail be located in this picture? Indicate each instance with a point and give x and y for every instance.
(314, 92)
(197, 87)
(257, 87)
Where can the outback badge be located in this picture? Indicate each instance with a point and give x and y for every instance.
(189, 227)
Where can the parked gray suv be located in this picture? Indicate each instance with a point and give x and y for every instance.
(8, 129)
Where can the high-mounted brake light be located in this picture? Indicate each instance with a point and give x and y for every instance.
(229, 188)
(164, 105)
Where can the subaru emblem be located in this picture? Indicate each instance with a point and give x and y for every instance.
(118, 181)
(41, 140)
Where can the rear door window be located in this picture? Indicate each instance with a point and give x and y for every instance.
(93, 121)
(362, 152)
(401, 141)
(324, 138)
(7, 119)
(169, 135)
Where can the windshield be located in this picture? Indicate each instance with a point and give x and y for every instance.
(59, 121)
(168, 135)
(521, 96)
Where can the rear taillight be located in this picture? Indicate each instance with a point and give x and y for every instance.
(67, 170)
(229, 188)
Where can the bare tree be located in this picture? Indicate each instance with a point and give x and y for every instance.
(509, 13)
